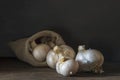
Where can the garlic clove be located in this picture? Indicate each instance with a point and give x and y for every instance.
(67, 67)
(40, 52)
(58, 65)
(52, 59)
(53, 56)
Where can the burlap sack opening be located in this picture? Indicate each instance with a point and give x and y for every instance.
(23, 47)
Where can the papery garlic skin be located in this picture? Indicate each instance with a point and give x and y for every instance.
(40, 52)
(67, 67)
(90, 60)
(68, 51)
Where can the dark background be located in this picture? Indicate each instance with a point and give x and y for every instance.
(95, 23)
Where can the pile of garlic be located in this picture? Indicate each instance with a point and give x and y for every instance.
(66, 62)
(61, 58)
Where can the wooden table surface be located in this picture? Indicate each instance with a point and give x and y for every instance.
(13, 69)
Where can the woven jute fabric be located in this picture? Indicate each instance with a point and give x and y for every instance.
(22, 47)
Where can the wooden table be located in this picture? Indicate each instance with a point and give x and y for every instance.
(13, 69)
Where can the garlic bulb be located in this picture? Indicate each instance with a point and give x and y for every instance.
(40, 52)
(90, 60)
(58, 51)
(67, 67)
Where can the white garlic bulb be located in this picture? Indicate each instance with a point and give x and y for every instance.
(58, 51)
(90, 60)
(40, 52)
(67, 67)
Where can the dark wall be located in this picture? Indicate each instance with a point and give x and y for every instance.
(95, 23)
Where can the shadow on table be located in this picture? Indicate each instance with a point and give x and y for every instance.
(110, 69)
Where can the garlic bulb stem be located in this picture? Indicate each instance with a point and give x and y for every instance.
(81, 47)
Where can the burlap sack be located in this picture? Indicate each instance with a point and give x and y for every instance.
(23, 47)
